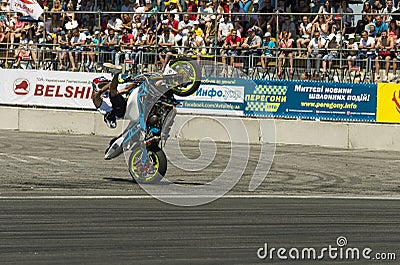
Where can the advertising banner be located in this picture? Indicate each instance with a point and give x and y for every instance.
(311, 100)
(47, 88)
(216, 96)
(388, 107)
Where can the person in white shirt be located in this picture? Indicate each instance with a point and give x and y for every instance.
(114, 23)
(76, 47)
(314, 49)
(166, 44)
(366, 49)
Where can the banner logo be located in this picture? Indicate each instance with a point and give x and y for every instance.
(21, 86)
(396, 100)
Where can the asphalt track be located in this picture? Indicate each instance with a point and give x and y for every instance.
(60, 203)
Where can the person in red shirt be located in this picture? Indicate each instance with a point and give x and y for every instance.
(229, 48)
(192, 7)
(125, 47)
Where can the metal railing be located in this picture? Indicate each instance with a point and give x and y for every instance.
(48, 54)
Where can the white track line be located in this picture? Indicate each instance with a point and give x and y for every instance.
(140, 197)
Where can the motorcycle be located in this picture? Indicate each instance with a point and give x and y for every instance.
(151, 109)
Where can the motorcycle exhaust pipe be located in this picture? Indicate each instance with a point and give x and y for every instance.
(115, 149)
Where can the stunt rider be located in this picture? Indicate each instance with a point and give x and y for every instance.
(110, 98)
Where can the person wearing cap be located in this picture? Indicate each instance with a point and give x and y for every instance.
(250, 47)
(166, 44)
(370, 28)
(268, 48)
(197, 29)
(332, 46)
(351, 52)
(385, 45)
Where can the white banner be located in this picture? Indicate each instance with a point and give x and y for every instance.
(27, 7)
(214, 99)
(47, 88)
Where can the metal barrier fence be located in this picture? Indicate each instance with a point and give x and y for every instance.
(280, 64)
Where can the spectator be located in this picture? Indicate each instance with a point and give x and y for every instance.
(127, 7)
(111, 5)
(315, 50)
(195, 44)
(88, 22)
(366, 18)
(224, 29)
(268, 47)
(204, 12)
(24, 50)
(88, 58)
(126, 22)
(332, 47)
(76, 47)
(322, 26)
(173, 24)
(346, 10)
(138, 45)
(56, 20)
(63, 46)
(125, 47)
(229, 48)
(16, 29)
(184, 27)
(305, 31)
(289, 27)
(371, 30)
(377, 7)
(192, 9)
(351, 52)
(366, 50)
(166, 43)
(210, 37)
(286, 51)
(387, 11)
(384, 46)
(151, 40)
(97, 41)
(114, 23)
(144, 12)
(197, 29)
(173, 7)
(394, 30)
(110, 45)
(380, 26)
(245, 5)
(301, 8)
(250, 48)
(327, 10)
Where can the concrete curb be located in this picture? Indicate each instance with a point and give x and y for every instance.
(192, 127)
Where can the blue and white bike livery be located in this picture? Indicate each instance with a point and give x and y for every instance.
(151, 109)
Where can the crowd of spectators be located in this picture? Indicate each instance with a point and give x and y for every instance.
(83, 34)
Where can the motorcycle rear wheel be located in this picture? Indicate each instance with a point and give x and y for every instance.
(157, 162)
(191, 72)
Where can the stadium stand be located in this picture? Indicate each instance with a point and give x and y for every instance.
(81, 35)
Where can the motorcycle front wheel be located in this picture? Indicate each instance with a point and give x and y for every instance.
(153, 171)
(191, 76)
